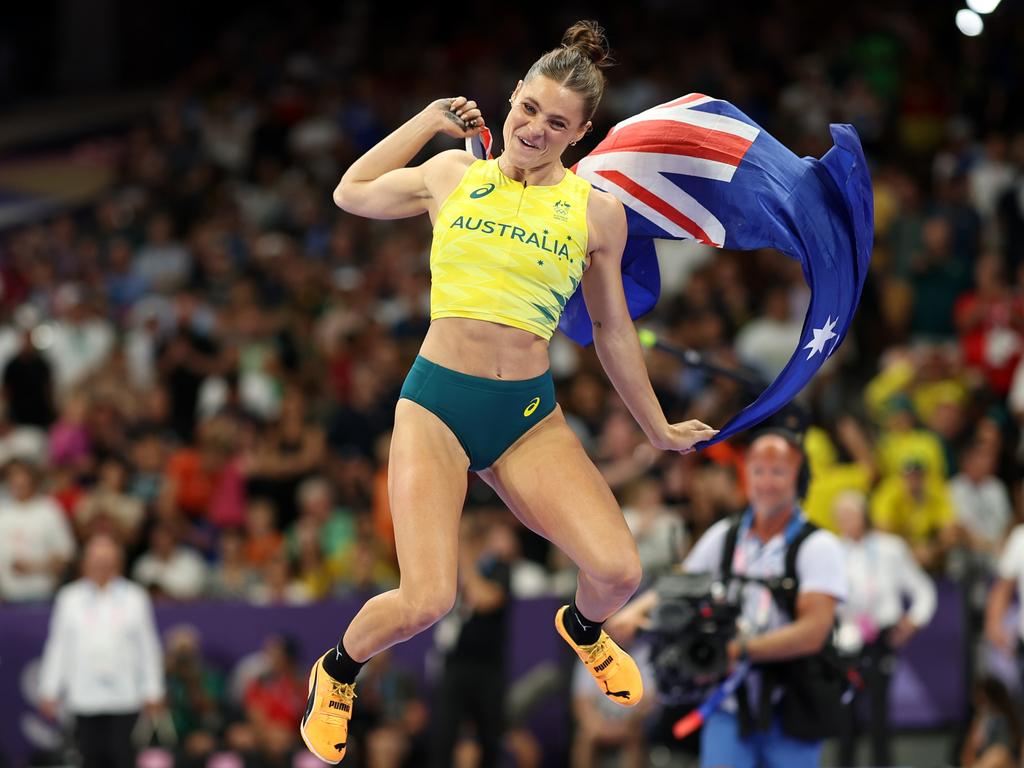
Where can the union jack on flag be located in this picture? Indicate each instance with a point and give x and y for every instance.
(698, 168)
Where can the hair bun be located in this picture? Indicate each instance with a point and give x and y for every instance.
(587, 37)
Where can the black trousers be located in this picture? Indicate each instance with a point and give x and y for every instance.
(876, 665)
(474, 692)
(105, 741)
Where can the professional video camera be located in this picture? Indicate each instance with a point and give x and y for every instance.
(690, 628)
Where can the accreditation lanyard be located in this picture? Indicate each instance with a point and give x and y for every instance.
(741, 564)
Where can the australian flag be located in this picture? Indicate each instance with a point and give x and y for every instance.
(698, 168)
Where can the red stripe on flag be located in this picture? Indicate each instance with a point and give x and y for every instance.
(655, 202)
(684, 100)
(672, 138)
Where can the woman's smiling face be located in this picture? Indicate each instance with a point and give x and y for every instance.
(545, 117)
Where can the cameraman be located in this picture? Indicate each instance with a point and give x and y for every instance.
(761, 724)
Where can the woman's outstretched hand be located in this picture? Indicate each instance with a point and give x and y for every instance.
(458, 117)
(683, 436)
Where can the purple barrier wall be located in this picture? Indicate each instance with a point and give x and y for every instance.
(929, 688)
(231, 631)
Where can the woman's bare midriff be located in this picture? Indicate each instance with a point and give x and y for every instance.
(485, 349)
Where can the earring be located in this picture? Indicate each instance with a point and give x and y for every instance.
(572, 143)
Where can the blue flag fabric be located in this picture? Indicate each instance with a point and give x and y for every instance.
(698, 168)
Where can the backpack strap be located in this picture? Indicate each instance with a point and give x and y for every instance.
(790, 581)
(729, 548)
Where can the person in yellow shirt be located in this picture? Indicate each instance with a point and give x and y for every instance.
(513, 239)
(902, 441)
(918, 507)
(830, 476)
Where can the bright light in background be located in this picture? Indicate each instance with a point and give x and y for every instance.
(969, 23)
(981, 6)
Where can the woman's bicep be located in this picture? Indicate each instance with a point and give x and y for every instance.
(396, 194)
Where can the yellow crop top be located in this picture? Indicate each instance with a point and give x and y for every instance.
(509, 253)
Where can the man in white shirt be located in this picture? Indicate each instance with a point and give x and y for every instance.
(1010, 571)
(102, 660)
(982, 503)
(775, 464)
(36, 544)
(881, 571)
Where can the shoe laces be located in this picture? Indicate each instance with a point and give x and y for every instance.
(600, 650)
(344, 691)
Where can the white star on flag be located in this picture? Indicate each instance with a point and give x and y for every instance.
(821, 335)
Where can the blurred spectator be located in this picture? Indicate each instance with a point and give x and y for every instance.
(873, 626)
(982, 504)
(195, 690)
(472, 641)
(107, 507)
(392, 716)
(28, 386)
(185, 358)
(830, 475)
(367, 566)
(102, 659)
(312, 569)
(160, 263)
(205, 482)
(36, 543)
(603, 727)
(624, 454)
(918, 508)
(526, 578)
(231, 577)
(275, 700)
(902, 440)
(1010, 571)
(287, 453)
(658, 529)
(767, 341)
(263, 541)
(279, 585)
(70, 443)
(990, 324)
(168, 568)
(994, 736)
(334, 527)
(83, 340)
(938, 275)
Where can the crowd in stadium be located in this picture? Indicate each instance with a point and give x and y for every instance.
(204, 363)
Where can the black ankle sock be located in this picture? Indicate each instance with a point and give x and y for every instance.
(341, 666)
(582, 630)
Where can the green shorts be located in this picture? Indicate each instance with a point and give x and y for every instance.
(486, 415)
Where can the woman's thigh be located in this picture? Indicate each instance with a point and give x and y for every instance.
(552, 486)
(427, 475)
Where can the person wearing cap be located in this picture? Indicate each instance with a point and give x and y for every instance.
(916, 505)
(776, 478)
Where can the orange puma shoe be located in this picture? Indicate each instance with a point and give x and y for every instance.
(324, 725)
(613, 669)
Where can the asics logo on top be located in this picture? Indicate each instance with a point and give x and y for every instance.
(483, 191)
(531, 407)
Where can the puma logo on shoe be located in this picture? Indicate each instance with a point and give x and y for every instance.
(616, 694)
(603, 665)
(338, 705)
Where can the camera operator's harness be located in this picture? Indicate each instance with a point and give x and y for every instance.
(812, 685)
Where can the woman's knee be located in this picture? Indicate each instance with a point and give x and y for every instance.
(424, 608)
(622, 573)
